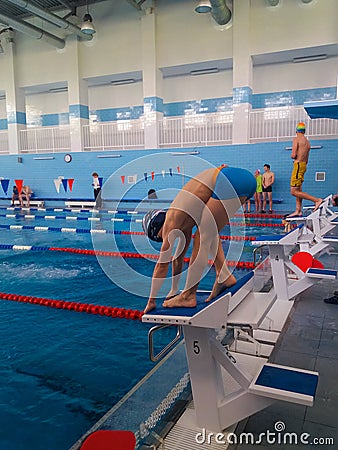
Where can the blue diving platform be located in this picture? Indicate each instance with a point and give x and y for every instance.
(191, 316)
(322, 109)
(280, 382)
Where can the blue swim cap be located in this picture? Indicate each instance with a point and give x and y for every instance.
(152, 222)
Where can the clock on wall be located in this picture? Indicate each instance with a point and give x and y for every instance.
(68, 158)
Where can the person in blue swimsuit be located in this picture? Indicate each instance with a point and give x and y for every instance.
(207, 201)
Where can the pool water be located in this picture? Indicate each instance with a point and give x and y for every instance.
(62, 370)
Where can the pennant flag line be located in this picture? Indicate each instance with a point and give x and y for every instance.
(5, 184)
(70, 184)
(19, 184)
(123, 178)
(57, 184)
(65, 184)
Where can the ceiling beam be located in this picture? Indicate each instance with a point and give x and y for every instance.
(32, 31)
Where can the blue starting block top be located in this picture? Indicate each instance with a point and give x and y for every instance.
(185, 315)
(321, 273)
(286, 379)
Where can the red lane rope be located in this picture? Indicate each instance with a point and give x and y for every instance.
(237, 264)
(110, 311)
(259, 216)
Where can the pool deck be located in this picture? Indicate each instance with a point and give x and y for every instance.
(310, 341)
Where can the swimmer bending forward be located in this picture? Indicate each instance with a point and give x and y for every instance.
(207, 201)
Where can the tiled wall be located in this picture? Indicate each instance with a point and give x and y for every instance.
(213, 105)
(39, 174)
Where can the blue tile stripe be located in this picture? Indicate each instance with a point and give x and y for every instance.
(173, 109)
(153, 104)
(242, 95)
(16, 117)
(78, 112)
(3, 124)
(292, 98)
(203, 106)
(112, 114)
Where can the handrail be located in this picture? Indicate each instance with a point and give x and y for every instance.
(165, 350)
(255, 253)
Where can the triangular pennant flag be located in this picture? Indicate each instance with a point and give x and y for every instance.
(163, 173)
(57, 184)
(70, 183)
(19, 184)
(171, 172)
(145, 176)
(100, 181)
(65, 184)
(5, 184)
(123, 178)
(153, 175)
(178, 169)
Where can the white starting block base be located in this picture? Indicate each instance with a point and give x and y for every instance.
(228, 387)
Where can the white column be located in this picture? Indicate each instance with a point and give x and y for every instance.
(242, 72)
(152, 82)
(77, 97)
(15, 97)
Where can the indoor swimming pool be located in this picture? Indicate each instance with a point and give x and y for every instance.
(63, 369)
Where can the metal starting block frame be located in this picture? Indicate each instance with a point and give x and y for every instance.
(285, 287)
(317, 224)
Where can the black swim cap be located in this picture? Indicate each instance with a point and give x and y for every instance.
(152, 222)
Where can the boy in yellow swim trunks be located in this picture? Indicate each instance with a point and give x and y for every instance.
(300, 155)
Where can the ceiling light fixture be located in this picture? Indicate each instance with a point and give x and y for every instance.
(299, 59)
(204, 6)
(204, 71)
(120, 82)
(87, 26)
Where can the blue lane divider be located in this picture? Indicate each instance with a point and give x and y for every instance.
(91, 219)
(58, 229)
(76, 210)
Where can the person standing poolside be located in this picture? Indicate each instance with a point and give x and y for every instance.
(267, 180)
(97, 189)
(208, 200)
(300, 154)
(259, 190)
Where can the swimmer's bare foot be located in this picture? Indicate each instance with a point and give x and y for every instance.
(150, 306)
(218, 288)
(183, 300)
(295, 214)
(317, 204)
(171, 294)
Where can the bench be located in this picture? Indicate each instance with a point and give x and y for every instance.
(36, 202)
(80, 204)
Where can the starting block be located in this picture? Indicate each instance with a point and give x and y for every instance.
(218, 401)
